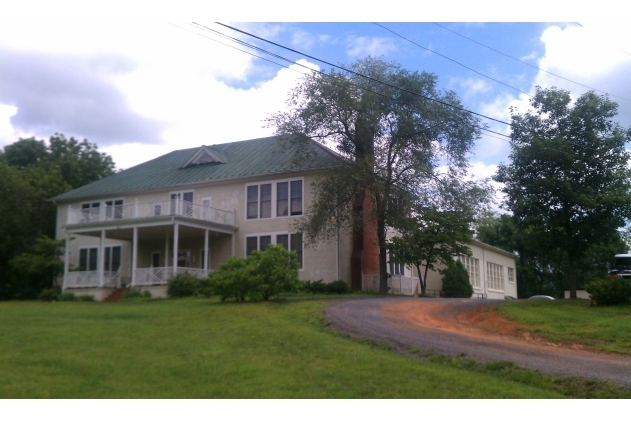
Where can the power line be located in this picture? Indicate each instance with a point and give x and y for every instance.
(450, 59)
(318, 71)
(616, 46)
(528, 64)
(376, 80)
(361, 75)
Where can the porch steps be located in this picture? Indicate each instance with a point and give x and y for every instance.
(116, 295)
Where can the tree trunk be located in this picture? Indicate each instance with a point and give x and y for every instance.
(383, 273)
(358, 242)
(572, 276)
(422, 279)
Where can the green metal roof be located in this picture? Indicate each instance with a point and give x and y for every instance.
(242, 159)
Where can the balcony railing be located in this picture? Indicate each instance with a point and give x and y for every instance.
(148, 210)
(161, 276)
(91, 279)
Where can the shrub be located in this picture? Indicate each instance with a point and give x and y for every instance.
(259, 276)
(50, 294)
(86, 297)
(232, 279)
(66, 296)
(183, 285)
(146, 294)
(456, 281)
(609, 292)
(276, 271)
(132, 293)
(315, 287)
(337, 287)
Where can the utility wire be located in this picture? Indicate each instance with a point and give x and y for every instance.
(531, 65)
(324, 74)
(450, 59)
(616, 46)
(363, 76)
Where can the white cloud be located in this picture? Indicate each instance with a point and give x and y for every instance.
(198, 91)
(373, 46)
(471, 85)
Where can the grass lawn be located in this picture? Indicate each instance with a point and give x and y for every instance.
(574, 321)
(200, 348)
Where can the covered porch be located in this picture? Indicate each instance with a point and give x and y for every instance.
(154, 249)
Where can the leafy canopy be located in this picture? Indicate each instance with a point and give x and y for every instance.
(568, 182)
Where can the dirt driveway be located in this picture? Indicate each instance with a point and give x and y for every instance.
(455, 326)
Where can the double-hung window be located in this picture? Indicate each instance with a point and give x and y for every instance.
(292, 242)
(90, 211)
(275, 199)
(495, 276)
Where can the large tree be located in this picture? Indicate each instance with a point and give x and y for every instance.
(31, 172)
(393, 130)
(568, 183)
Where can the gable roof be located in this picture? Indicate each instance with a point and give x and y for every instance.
(226, 161)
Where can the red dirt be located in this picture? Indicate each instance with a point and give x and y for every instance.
(482, 322)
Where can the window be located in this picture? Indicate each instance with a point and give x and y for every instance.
(495, 276)
(266, 201)
(396, 268)
(511, 275)
(291, 242)
(88, 259)
(296, 197)
(251, 244)
(296, 245)
(253, 200)
(265, 241)
(114, 209)
(282, 199)
(206, 210)
(90, 211)
(276, 199)
(473, 269)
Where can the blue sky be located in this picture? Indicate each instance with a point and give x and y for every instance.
(141, 89)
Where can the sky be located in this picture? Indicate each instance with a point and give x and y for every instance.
(140, 89)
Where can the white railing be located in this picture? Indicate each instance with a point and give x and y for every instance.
(91, 278)
(404, 285)
(150, 209)
(161, 276)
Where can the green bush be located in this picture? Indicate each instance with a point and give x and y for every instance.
(86, 298)
(233, 279)
(337, 287)
(315, 287)
(183, 285)
(50, 294)
(456, 281)
(132, 293)
(260, 276)
(146, 294)
(609, 292)
(66, 296)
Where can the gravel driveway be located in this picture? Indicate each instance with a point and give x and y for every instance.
(435, 325)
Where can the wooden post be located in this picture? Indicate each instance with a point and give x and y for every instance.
(134, 256)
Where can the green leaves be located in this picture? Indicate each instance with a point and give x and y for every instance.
(569, 184)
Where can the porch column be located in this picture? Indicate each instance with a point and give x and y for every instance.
(232, 244)
(134, 256)
(206, 259)
(66, 261)
(101, 260)
(166, 250)
(176, 233)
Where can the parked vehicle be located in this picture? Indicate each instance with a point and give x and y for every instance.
(541, 297)
(620, 267)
